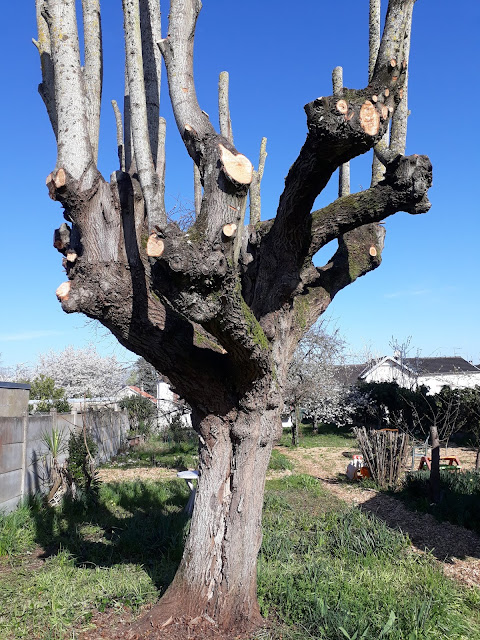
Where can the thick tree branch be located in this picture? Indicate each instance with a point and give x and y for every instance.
(74, 148)
(398, 134)
(359, 252)
(177, 50)
(146, 326)
(224, 107)
(151, 33)
(378, 168)
(93, 69)
(255, 198)
(339, 129)
(391, 54)
(147, 175)
(404, 188)
(225, 173)
(373, 36)
(47, 87)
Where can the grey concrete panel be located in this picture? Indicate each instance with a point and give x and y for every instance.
(11, 430)
(37, 426)
(10, 505)
(36, 477)
(108, 429)
(10, 485)
(11, 457)
(13, 402)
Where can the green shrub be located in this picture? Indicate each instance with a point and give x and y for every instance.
(80, 464)
(177, 432)
(43, 389)
(460, 496)
(142, 414)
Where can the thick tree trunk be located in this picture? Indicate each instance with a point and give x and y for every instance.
(435, 465)
(477, 460)
(217, 577)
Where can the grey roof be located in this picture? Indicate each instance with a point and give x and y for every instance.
(441, 365)
(14, 385)
(348, 374)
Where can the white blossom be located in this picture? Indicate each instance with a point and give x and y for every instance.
(82, 372)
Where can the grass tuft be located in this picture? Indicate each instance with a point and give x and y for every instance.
(279, 462)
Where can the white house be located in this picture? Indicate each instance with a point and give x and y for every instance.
(433, 373)
(170, 406)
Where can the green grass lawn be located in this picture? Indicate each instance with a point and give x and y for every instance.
(325, 571)
(156, 452)
(122, 550)
(175, 455)
(328, 436)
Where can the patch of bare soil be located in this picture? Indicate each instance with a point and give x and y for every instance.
(31, 561)
(456, 548)
(121, 626)
(141, 473)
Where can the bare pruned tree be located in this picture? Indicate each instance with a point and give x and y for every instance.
(220, 308)
(437, 416)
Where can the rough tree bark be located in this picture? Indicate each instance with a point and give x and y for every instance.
(220, 308)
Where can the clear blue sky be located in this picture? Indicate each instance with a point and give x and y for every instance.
(280, 56)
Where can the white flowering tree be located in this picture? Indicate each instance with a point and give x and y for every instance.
(313, 383)
(82, 372)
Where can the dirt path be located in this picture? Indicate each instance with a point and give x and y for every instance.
(456, 548)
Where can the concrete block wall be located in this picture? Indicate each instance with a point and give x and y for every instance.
(13, 399)
(11, 461)
(24, 457)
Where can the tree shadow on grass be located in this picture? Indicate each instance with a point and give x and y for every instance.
(130, 523)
